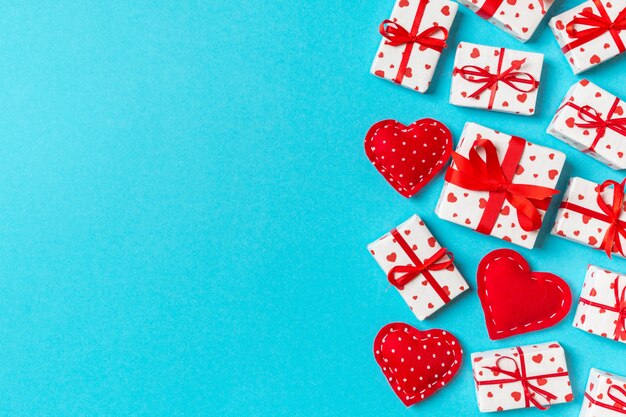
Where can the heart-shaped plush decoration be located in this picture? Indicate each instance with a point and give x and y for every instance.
(516, 300)
(416, 363)
(408, 156)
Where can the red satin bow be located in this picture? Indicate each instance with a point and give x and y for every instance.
(593, 119)
(619, 401)
(612, 240)
(597, 25)
(511, 77)
(397, 35)
(620, 307)
(476, 174)
(518, 374)
(410, 272)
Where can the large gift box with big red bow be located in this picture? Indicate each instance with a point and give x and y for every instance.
(593, 121)
(413, 39)
(499, 185)
(498, 79)
(605, 395)
(602, 305)
(517, 18)
(420, 269)
(521, 377)
(591, 33)
(593, 214)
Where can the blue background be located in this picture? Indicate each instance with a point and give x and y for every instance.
(185, 206)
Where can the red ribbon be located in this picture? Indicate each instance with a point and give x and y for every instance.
(490, 7)
(397, 35)
(418, 268)
(610, 214)
(597, 25)
(517, 80)
(476, 174)
(518, 374)
(593, 119)
(620, 401)
(619, 307)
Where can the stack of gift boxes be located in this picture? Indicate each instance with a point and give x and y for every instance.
(589, 118)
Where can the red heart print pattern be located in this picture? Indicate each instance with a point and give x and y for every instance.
(516, 300)
(408, 157)
(416, 363)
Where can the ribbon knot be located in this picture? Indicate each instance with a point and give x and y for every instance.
(409, 272)
(397, 35)
(531, 391)
(620, 306)
(595, 25)
(519, 81)
(592, 119)
(612, 241)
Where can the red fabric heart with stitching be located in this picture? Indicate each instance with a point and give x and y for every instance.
(416, 363)
(408, 156)
(516, 300)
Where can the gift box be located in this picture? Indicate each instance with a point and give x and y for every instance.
(602, 305)
(593, 214)
(504, 193)
(497, 79)
(519, 19)
(591, 33)
(413, 39)
(592, 120)
(605, 395)
(421, 270)
(521, 377)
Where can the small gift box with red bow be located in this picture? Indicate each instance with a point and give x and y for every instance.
(521, 377)
(605, 395)
(497, 79)
(421, 270)
(593, 214)
(499, 185)
(593, 121)
(519, 19)
(413, 39)
(591, 33)
(602, 305)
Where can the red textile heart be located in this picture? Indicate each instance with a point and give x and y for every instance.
(415, 363)
(516, 300)
(408, 156)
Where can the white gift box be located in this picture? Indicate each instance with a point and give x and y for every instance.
(474, 80)
(521, 377)
(535, 165)
(605, 395)
(518, 18)
(403, 252)
(581, 219)
(592, 120)
(586, 45)
(413, 63)
(602, 305)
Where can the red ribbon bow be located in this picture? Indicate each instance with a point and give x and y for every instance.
(476, 174)
(397, 35)
(621, 401)
(593, 119)
(597, 25)
(612, 241)
(424, 268)
(518, 374)
(410, 272)
(619, 307)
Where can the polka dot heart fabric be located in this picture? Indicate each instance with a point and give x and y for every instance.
(408, 157)
(416, 363)
(605, 395)
(594, 121)
(516, 300)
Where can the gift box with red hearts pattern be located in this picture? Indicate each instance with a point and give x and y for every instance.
(519, 18)
(521, 377)
(513, 209)
(605, 395)
(498, 79)
(592, 214)
(421, 270)
(592, 120)
(413, 39)
(591, 33)
(602, 305)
